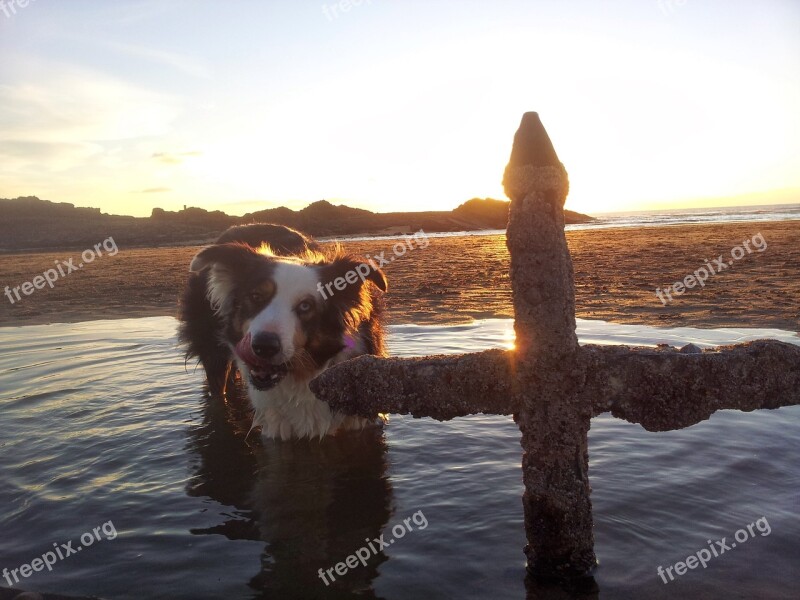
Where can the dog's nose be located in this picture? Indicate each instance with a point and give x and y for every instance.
(266, 345)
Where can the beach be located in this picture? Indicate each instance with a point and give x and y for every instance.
(460, 279)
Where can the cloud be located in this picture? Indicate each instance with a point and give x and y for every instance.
(155, 190)
(63, 126)
(171, 60)
(171, 158)
(67, 105)
(26, 157)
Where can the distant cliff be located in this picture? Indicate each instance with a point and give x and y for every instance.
(28, 223)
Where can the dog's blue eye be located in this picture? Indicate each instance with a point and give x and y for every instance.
(304, 306)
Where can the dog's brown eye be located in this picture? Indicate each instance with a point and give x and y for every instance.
(305, 306)
(256, 297)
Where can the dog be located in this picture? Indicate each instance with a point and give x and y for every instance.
(256, 301)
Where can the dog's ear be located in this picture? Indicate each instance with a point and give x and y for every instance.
(228, 255)
(378, 277)
(222, 262)
(375, 275)
(355, 271)
(348, 283)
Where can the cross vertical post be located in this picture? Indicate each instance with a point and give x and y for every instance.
(552, 385)
(553, 418)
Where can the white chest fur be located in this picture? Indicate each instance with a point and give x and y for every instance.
(290, 410)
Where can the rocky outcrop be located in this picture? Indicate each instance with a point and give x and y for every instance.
(30, 223)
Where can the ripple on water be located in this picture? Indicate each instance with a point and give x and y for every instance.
(103, 422)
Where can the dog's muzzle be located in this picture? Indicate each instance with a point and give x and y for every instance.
(259, 354)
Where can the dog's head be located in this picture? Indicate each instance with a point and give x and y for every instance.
(287, 315)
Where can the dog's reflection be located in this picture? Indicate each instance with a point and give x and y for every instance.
(313, 502)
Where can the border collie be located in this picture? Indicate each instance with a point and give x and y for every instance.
(254, 300)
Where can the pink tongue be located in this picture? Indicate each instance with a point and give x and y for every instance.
(245, 351)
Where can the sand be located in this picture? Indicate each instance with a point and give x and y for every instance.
(454, 280)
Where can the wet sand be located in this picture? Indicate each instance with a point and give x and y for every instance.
(458, 279)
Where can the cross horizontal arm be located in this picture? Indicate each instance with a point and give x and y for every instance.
(664, 389)
(441, 387)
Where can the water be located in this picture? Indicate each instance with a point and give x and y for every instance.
(690, 216)
(661, 218)
(102, 423)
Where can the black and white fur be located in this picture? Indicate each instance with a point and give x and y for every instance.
(253, 301)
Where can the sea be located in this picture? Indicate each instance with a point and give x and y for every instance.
(660, 218)
(729, 214)
(122, 479)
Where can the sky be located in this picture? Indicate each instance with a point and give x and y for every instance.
(394, 105)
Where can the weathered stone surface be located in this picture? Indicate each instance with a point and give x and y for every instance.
(665, 389)
(551, 384)
(553, 418)
(641, 385)
(532, 146)
(441, 387)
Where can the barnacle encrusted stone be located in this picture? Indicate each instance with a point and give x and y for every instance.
(518, 182)
(533, 164)
(553, 386)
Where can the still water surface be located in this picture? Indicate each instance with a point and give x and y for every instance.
(102, 422)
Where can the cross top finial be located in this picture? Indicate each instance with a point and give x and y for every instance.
(534, 164)
(532, 145)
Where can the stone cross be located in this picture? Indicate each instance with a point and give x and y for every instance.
(553, 386)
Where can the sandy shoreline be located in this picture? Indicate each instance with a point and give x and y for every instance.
(459, 279)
